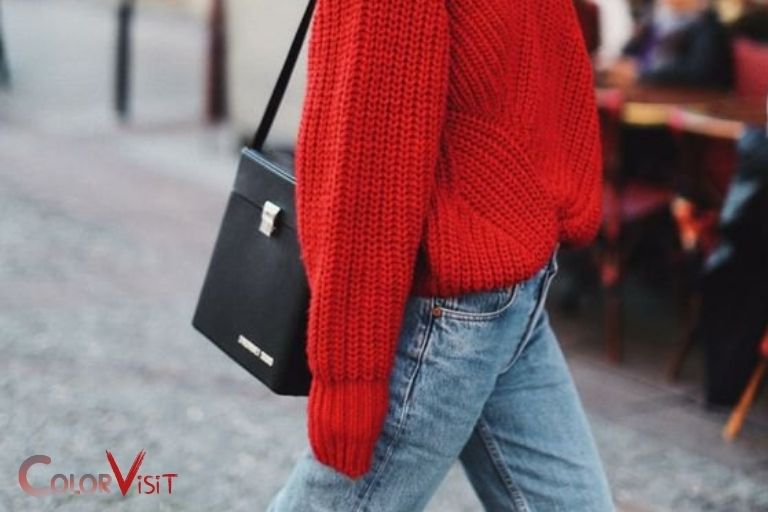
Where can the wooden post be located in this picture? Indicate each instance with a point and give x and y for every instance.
(216, 81)
(123, 58)
(5, 74)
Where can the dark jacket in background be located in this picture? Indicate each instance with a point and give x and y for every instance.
(752, 25)
(697, 55)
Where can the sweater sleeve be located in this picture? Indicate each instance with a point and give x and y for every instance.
(366, 156)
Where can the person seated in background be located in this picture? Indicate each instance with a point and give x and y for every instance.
(734, 284)
(680, 42)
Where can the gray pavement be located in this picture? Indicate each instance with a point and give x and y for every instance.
(105, 231)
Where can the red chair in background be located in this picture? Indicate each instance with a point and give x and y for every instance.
(750, 68)
(628, 205)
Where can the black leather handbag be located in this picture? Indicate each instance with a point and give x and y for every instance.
(255, 298)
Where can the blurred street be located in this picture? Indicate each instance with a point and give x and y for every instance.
(105, 233)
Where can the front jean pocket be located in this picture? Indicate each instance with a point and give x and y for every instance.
(479, 305)
(551, 272)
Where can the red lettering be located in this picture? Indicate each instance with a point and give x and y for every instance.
(104, 480)
(24, 482)
(170, 477)
(125, 483)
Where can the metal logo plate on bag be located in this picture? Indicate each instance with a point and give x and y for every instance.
(252, 348)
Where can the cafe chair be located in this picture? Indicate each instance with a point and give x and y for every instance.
(627, 206)
(624, 207)
(750, 60)
(739, 414)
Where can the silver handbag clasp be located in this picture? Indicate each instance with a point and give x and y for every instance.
(268, 216)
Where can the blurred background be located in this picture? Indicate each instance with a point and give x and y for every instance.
(120, 129)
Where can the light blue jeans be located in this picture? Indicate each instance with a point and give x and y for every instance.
(479, 377)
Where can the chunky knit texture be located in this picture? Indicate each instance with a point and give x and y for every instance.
(445, 146)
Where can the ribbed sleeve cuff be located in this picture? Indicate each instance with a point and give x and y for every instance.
(345, 420)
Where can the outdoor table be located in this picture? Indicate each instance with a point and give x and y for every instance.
(726, 118)
(651, 105)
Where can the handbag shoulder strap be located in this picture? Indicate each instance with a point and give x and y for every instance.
(282, 81)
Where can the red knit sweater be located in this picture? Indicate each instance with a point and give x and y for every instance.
(445, 146)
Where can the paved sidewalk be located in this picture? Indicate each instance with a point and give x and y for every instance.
(105, 232)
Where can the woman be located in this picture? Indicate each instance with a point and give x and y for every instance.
(681, 42)
(446, 147)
